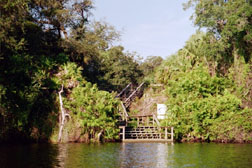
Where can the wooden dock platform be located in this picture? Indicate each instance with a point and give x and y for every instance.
(146, 134)
(140, 128)
(147, 140)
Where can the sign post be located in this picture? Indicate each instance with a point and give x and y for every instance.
(161, 111)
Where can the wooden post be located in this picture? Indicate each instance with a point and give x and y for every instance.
(153, 120)
(123, 133)
(172, 133)
(147, 121)
(165, 132)
(137, 121)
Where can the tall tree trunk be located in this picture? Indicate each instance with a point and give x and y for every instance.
(99, 135)
(63, 115)
(237, 66)
(211, 67)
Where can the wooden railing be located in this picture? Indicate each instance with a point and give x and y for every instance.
(125, 89)
(133, 95)
(125, 115)
(127, 96)
(144, 120)
(156, 119)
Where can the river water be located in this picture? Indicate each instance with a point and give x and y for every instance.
(126, 155)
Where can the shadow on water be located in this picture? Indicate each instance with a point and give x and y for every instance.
(28, 156)
(124, 155)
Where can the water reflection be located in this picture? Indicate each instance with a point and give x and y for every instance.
(62, 155)
(145, 154)
(26, 156)
(124, 155)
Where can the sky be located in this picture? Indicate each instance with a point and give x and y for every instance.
(148, 27)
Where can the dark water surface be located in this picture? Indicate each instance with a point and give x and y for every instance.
(112, 155)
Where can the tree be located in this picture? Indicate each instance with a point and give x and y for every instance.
(117, 69)
(24, 72)
(150, 63)
(228, 39)
(58, 16)
(31, 51)
(92, 110)
(84, 48)
(37, 37)
(229, 22)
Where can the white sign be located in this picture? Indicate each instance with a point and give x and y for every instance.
(161, 111)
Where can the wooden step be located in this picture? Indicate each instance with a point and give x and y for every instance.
(146, 133)
(142, 136)
(143, 127)
(142, 132)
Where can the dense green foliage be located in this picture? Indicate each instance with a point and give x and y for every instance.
(117, 69)
(149, 66)
(204, 107)
(90, 109)
(47, 44)
(208, 82)
(228, 25)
